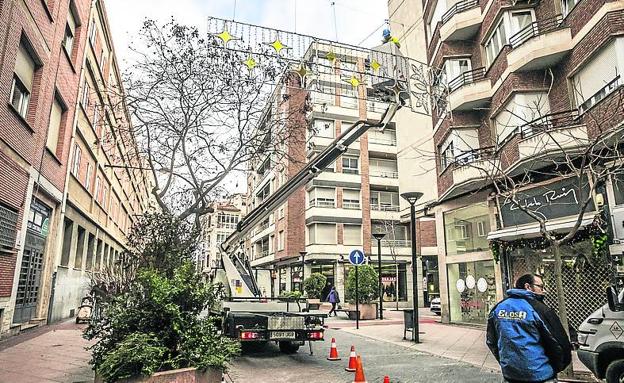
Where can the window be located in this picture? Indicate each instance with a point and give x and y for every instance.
(221, 237)
(89, 176)
(384, 201)
(323, 128)
(350, 199)
(54, 126)
(85, 96)
(352, 235)
(92, 32)
(520, 20)
(322, 197)
(280, 240)
(103, 59)
(104, 196)
(383, 168)
(8, 228)
(96, 193)
(227, 221)
(264, 193)
(21, 88)
(567, 6)
(68, 231)
(322, 233)
(454, 68)
(446, 154)
(466, 229)
(76, 163)
(436, 17)
(350, 165)
(520, 110)
(281, 212)
(496, 42)
(599, 77)
(96, 116)
(70, 32)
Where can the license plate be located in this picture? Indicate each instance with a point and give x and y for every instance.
(283, 335)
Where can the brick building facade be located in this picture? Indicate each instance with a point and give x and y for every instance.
(520, 75)
(46, 51)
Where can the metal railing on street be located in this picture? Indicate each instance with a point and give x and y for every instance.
(534, 29)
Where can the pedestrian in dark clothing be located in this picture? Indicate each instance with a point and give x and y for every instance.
(334, 299)
(526, 336)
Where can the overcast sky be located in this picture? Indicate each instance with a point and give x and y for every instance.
(355, 19)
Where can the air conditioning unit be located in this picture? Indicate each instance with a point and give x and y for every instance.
(618, 224)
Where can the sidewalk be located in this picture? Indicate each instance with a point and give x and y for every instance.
(54, 353)
(462, 343)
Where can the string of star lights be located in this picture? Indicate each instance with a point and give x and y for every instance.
(325, 68)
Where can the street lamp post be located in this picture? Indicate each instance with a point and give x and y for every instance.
(411, 198)
(379, 237)
(303, 255)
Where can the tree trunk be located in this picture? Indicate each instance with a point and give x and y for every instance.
(561, 302)
(396, 285)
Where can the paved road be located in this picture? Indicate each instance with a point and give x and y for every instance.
(379, 358)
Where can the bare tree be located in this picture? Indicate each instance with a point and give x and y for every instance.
(201, 117)
(390, 242)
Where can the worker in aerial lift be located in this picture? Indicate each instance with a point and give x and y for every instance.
(387, 37)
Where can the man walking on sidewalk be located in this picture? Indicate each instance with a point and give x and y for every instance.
(526, 336)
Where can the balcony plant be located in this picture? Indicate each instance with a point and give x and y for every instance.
(151, 303)
(368, 285)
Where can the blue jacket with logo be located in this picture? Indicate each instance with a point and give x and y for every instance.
(527, 338)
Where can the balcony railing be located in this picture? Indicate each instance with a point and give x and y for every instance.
(383, 141)
(474, 155)
(322, 203)
(600, 94)
(460, 7)
(384, 174)
(385, 207)
(534, 29)
(466, 78)
(396, 243)
(351, 205)
(549, 122)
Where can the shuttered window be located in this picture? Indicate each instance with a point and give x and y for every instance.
(596, 75)
(322, 197)
(520, 110)
(350, 199)
(352, 235)
(322, 233)
(25, 67)
(56, 115)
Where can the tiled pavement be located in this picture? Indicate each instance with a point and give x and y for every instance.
(48, 354)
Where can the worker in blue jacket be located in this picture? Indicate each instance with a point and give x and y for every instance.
(526, 336)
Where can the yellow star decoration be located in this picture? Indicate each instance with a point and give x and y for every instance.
(225, 36)
(278, 46)
(250, 63)
(375, 65)
(354, 81)
(331, 56)
(301, 69)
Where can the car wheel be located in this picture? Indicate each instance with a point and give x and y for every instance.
(288, 347)
(615, 372)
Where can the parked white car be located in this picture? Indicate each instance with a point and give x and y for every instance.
(435, 306)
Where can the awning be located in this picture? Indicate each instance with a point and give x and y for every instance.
(532, 231)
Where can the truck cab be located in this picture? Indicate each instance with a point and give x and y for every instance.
(601, 339)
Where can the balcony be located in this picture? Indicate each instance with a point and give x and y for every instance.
(385, 212)
(351, 205)
(552, 135)
(384, 173)
(474, 165)
(393, 246)
(384, 178)
(322, 203)
(461, 21)
(470, 90)
(541, 44)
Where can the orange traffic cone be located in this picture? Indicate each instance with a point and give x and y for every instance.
(352, 361)
(386, 379)
(333, 351)
(359, 372)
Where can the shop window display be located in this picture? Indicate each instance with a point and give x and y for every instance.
(472, 291)
(466, 229)
(295, 278)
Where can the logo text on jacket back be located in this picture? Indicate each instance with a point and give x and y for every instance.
(513, 315)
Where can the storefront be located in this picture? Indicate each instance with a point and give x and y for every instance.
(472, 291)
(282, 280)
(296, 280)
(469, 266)
(327, 270)
(431, 279)
(393, 280)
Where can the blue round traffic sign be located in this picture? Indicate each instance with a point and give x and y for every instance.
(356, 257)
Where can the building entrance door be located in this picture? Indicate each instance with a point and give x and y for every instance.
(29, 278)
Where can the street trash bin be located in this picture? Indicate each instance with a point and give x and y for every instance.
(408, 322)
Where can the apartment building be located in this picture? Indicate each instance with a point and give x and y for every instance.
(39, 80)
(314, 231)
(50, 222)
(217, 226)
(108, 184)
(520, 74)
